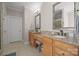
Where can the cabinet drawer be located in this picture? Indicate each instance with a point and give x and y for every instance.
(67, 47)
(61, 52)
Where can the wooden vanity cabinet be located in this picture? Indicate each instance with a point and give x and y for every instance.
(32, 39)
(64, 49)
(47, 46)
(54, 46)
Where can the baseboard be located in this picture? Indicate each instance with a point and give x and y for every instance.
(17, 41)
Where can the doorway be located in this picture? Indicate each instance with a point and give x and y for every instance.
(12, 29)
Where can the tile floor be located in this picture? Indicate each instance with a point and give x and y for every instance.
(20, 50)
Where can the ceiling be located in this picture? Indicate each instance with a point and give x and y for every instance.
(20, 5)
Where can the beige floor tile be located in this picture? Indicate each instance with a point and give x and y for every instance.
(20, 50)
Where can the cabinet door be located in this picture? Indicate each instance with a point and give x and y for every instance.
(71, 49)
(31, 39)
(47, 50)
(47, 46)
(67, 47)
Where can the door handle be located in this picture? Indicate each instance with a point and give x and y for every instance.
(63, 54)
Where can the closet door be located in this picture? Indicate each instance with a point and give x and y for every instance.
(14, 28)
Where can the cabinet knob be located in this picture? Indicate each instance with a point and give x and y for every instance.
(63, 54)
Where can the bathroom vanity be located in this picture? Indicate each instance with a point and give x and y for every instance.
(54, 45)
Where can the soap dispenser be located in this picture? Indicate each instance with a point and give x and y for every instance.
(61, 32)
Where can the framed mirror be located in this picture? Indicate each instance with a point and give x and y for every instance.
(63, 15)
(38, 22)
(57, 17)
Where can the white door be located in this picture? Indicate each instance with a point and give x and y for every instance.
(14, 28)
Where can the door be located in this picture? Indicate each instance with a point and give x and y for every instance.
(13, 29)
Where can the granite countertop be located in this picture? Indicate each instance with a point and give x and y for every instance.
(61, 38)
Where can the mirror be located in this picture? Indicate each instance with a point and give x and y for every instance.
(63, 15)
(38, 22)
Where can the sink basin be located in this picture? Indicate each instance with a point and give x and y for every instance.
(57, 36)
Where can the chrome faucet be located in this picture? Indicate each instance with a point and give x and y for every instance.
(61, 32)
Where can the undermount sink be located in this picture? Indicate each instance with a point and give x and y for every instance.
(57, 36)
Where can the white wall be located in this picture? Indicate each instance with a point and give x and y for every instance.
(47, 16)
(28, 19)
(3, 20)
(14, 12)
